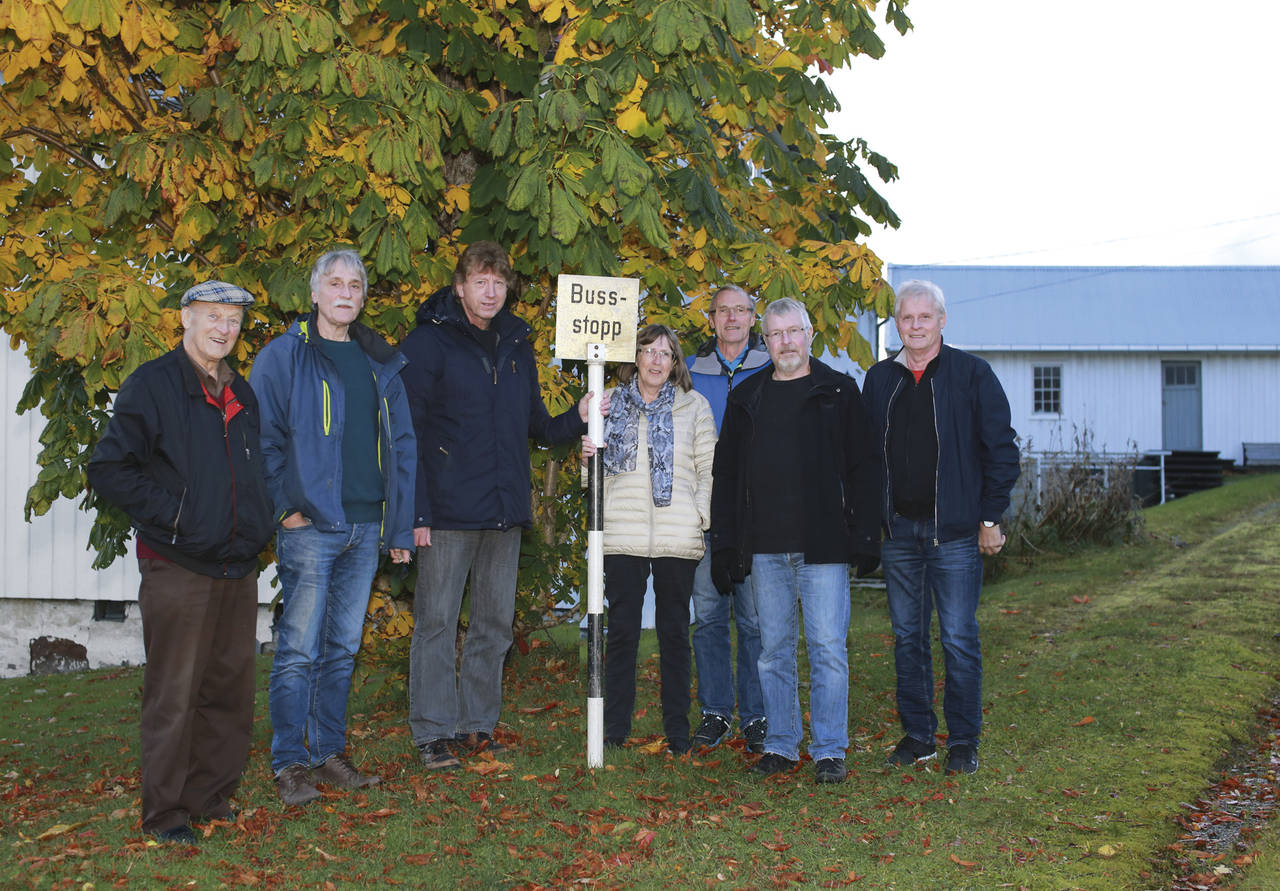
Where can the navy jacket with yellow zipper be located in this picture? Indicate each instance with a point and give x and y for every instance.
(303, 410)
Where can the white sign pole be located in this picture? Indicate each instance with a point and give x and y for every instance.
(596, 321)
(595, 562)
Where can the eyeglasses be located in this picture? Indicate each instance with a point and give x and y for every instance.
(784, 333)
(727, 311)
(654, 354)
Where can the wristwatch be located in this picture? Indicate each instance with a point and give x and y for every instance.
(988, 524)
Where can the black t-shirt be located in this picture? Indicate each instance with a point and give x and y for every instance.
(777, 453)
(913, 446)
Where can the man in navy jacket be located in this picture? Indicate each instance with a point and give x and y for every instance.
(180, 456)
(950, 461)
(473, 390)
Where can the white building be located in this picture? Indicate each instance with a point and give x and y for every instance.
(1152, 358)
(48, 587)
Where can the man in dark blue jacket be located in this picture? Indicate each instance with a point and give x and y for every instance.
(180, 456)
(473, 389)
(339, 455)
(950, 461)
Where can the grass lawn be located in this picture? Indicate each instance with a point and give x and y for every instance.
(1116, 682)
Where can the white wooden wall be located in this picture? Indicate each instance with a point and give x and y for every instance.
(49, 557)
(1118, 397)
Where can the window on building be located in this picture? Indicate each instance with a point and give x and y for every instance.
(108, 611)
(1046, 389)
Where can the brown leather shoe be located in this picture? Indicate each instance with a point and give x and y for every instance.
(338, 770)
(293, 785)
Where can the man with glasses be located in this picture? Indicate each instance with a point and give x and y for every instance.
(794, 492)
(731, 356)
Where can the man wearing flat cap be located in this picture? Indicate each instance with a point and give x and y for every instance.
(180, 456)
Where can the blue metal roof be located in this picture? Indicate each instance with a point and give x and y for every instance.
(1138, 308)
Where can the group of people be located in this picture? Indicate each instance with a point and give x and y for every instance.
(746, 480)
(751, 481)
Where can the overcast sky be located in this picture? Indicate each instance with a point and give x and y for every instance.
(1128, 132)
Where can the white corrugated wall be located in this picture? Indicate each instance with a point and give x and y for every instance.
(1118, 397)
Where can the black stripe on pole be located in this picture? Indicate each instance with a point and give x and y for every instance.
(595, 655)
(595, 494)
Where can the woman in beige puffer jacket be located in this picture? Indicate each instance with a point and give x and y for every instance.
(660, 442)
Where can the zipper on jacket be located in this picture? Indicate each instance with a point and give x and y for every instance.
(937, 467)
(231, 468)
(324, 388)
(178, 516)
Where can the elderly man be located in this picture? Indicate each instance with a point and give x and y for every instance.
(473, 386)
(201, 513)
(728, 358)
(793, 503)
(340, 459)
(949, 462)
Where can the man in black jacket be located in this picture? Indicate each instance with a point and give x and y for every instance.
(793, 503)
(472, 382)
(950, 462)
(180, 456)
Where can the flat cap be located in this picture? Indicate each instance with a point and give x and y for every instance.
(217, 292)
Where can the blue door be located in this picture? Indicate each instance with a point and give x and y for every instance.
(1182, 423)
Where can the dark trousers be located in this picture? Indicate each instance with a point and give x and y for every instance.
(197, 691)
(625, 584)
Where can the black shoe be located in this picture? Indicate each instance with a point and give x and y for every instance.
(830, 770)
(754, 735)
(711, 732)
(436, 755)
(773, 763)
(910, 750)
(614, 742)
(678, 746)
(178, 835)
(228, 816)
(479, 741)
(962, 759)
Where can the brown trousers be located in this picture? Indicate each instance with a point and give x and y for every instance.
(197, 691)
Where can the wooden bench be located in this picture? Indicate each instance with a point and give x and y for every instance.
(1261, 454)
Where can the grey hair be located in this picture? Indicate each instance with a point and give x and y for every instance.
(328, 260)
(921, 288)
(786, 305)
(735, 289)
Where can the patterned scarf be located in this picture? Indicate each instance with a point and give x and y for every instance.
(622, 434)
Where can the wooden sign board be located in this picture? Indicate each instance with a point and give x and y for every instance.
(597, 309)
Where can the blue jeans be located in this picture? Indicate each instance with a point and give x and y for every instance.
(922, 574)
(325, 578)
(784, 585)
(711, 647)
(445, 699)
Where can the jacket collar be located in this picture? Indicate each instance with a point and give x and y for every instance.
(373, 345)
(443, 307)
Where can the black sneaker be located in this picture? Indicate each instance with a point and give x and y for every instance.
(754, 735)
(962, 759)
(178, 835)
(830, 770)
(436, 755)
(678, 746)
(711, 732)
(773, 763)
(910, 750)
(472, 743)
(614, 742)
